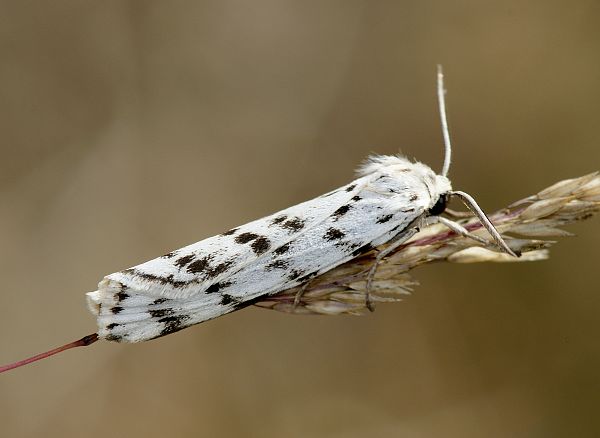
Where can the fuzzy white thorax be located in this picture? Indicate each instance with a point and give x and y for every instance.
(400, 167)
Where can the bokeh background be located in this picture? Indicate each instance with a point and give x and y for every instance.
(131, 128)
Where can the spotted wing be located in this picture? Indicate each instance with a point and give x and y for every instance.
(226, 272)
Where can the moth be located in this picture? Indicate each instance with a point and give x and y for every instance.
(390, 199)
(387, 203)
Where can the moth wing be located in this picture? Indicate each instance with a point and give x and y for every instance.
(193, 269)
(226, 272)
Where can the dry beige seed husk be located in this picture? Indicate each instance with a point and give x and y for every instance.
(343, 289)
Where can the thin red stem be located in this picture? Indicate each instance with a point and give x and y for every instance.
(86, 340)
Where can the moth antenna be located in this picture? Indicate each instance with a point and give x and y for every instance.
(472, 205)
(86, 340)
(441, 92)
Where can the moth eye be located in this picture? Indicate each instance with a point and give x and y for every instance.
(439, 207)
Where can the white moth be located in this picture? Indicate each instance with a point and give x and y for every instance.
(391, 198)
(223, 273)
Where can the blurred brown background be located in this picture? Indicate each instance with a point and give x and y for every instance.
(130, 128)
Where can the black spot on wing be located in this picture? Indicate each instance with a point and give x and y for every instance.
(112, 325)
(350, 187)
(333, 234)
(295, 273)
(230, 232)
(160, 313)
(384, 219)
(277, 264)
(282, 249)
(116, 309)
(341, 212)
(169, 255)
(228, 299)
(260, 245)
(121, 296)
(185, 260)
(155, 278)
(245, 238)
(294, 224)
(278, 219)
(219, 269)
(159, 301)
(216, 287)
(200, 265)
(113, 338)
(414, 197)
(356, 198)
(173, 323)
(204, 267)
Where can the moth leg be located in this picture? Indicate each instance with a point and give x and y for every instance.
(458, 229)
(394, 244)
(299, 294)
